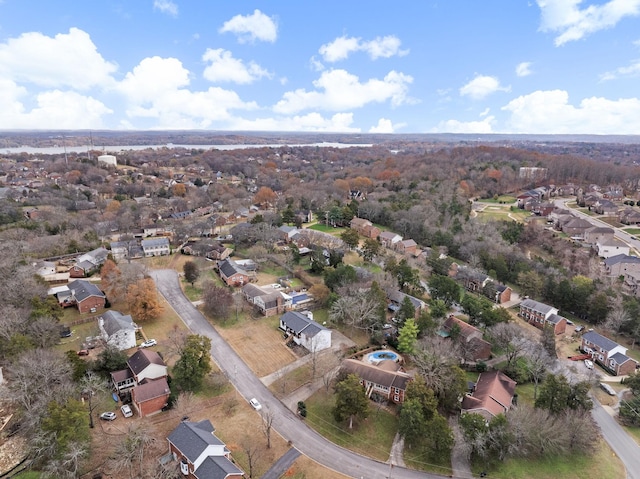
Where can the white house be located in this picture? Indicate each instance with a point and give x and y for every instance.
(305, 332)
(118, 330)
(155, 247)
(608, 247)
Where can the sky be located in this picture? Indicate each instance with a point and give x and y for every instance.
(352, 66)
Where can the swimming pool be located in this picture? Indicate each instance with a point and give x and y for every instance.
(378, 356)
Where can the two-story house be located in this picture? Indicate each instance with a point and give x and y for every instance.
(232, 273)
(156, 247)
(541, 315)
(304, 331)
(492, 395)
(384, 380)
(201, 454)
(609, 354)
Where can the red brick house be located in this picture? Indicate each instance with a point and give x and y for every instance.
(609, 354)
(407, 247)
(474, 347)
(384, 380)
(201, 454)
(541, 315)
(365, 228)
(232, 274)
(491, 396)
(83, 295)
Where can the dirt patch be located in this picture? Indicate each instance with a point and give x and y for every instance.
(260, 344)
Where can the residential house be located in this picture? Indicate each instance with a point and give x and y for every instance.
(82, 294)
(629, 216)
(117, 329)
(597, 234)
(576, 227)
(365, 228)
(632, 283)
(219, 252)
(479, 282)
(304, 331)
(287, 232)
(201, 454)
(154, 230)
(492, 395)
(474, 347)
(407, 247)
(145, 379)
(543, 209)
(541, 315)
(621, 264)
(609, 354)
(156, 247)
(606, 248)
(606, 207)
(126, 250)
(383, 380)
(233, 274)
(396, 297)
(614, 193)
(267, 300)
(389, 239)
(89, 263)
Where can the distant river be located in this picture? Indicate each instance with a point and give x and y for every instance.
(59, 150)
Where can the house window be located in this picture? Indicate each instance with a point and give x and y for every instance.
(396, 398)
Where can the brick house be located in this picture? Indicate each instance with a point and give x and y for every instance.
(609, 354)
(481, 283)
(201, 454)
(407, 247)
(266, 300)
(474, 347)
(146, 380)
(232, 274)
(621, 264)
(576, 227)
(384, 380)
(365, 228)
(83, 295)
(389, 239)
(541, 315)
(88, 263)
(491, 396)
(597, 234)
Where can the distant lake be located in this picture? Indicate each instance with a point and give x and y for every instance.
(59, 150)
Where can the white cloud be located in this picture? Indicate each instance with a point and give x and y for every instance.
(338, 90)
(340, 122)
(485, 112)
(385, 126)
(570, 22)
(380, 47)
(249, 28)
(53, 109)
(633, 70)
(224, 68)
(316, 64)
(455, 126)
(550, 112)
(166, 6)
(66, 60)
(523, 69)
(482, 86)
(156, 88)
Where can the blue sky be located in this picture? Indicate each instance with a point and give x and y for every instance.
(407, 66)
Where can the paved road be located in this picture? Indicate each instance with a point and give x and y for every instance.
(625, 447)
(282, 465)
(303, 438)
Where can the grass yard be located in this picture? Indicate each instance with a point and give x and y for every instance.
(604, 464)
(259, 343)
(500, 199)
(372, 437)
(327, 229)
(611, 221)
(632, 231)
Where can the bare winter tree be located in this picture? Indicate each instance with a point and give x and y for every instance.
(537, 362)
(617, 316)
(358, 310)
(268, 416)
(511, 339)
(185, 404)
(253, 452)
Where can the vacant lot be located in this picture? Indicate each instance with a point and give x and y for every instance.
(259, 343)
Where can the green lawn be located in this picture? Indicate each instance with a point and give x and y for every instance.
(508, 199)
(327, 229)
(632, 231)
(372, 437)
(604, 464)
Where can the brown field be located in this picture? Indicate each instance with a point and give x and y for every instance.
(260, 344)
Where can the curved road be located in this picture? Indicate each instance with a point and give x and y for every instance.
(305, 439)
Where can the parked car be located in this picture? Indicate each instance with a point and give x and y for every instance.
(588, 363)
(579, 329)
(83, 352)
(255, 404)
(608, 389)
(65, 332)
(148, 343)
(108, 416)
(126, 410)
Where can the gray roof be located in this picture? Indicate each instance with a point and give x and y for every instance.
(228, 267)
(299, 323)
(154, 242)
(537, 306)
(554, 318)
(217, 467)
(115, 321)
(621, 258)
(375, 374)
(84, 289)
(620, 358)
(192, 438)
(603, 343)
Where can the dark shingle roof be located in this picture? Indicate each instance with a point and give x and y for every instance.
(151, 390)
(217, 467)
(621, 258)
(536, 306)
(192, 438)
(620, 358)
(142, 359)
(115, 321)
(299, 323)
(84, 289)
(228, 267)
(554, 318)
(376, 375)
(604, 343)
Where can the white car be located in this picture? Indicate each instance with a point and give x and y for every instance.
(588, 363)
(148, 343)
(126, 410)
(255, 404)
(108, 416)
